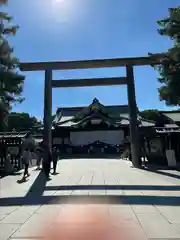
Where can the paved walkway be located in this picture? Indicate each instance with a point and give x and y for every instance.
(148, 200)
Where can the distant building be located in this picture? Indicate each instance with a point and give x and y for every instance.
(93, 127)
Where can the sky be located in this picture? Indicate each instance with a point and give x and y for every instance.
(57, 30)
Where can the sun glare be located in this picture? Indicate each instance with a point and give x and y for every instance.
(65, 11)
(62, 10)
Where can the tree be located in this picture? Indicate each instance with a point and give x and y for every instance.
(169, 62)
(11, 81)
(156, 116)
(150, 114)
(22, 122)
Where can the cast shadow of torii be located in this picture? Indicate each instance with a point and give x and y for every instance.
(35, 195)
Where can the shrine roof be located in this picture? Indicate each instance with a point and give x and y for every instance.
(172, 115)
(115, 114)
(111, 109)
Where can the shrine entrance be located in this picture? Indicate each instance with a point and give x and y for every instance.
(128, 80)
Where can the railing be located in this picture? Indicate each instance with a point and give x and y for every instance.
(15, 163)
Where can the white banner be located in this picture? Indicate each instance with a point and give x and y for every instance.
(110, 137)
(170, 154)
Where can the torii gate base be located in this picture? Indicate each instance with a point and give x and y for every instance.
(105, 63)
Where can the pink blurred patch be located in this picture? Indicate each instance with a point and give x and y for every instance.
(88, 222)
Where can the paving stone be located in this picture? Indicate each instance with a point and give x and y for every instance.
(80, 193)
(48, 193)
(177, 226)
(20, 215)
(49, 209)
(134, 229)
(145, 209)
(22, 239)
(6, 230)
(103, 177)
(172, 214)
(63, 193)
(156, 226)
(133, 193)
(8, 210)
(114, 192)
(98, 180)
(124, 212)
(2, 216)
(32, 228)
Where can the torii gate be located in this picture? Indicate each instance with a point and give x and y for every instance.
(48, 67)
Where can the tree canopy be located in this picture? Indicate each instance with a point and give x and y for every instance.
(21, 122)
(150, 114)
(11, 81)
(169, 67)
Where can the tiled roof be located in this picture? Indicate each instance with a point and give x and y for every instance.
(117, 114)
(71, 111)
(175, 116)
(67, 113)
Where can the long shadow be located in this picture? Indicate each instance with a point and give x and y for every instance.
(167, 174)
(94, 199)
(34, 193)
(37, 187)
(113, 187)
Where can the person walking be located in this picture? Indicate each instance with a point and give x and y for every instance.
(55, 155)
(47, 157)
(7, 165)
(26, 159)
(39, 152)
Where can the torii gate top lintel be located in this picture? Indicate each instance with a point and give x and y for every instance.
(85, 64)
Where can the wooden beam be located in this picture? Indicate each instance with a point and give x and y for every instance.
(85, 64)
(69, 83)
(133, 125)
(48, 109)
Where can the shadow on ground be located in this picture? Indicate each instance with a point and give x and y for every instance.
(93, 199)
(34, 195)
(159, 170)
(114, 187)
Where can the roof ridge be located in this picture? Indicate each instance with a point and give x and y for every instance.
(81, 107)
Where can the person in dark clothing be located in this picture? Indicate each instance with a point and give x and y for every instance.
(47, 157)
(39, 155)
(26, 159)
(55, 159)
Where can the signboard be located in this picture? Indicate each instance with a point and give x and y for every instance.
(170, 154)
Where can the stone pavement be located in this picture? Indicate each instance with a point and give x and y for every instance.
(149, 201)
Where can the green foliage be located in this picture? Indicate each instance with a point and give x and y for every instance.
(169, 67)
(150, 114)
(21, 122)
(11, 82)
